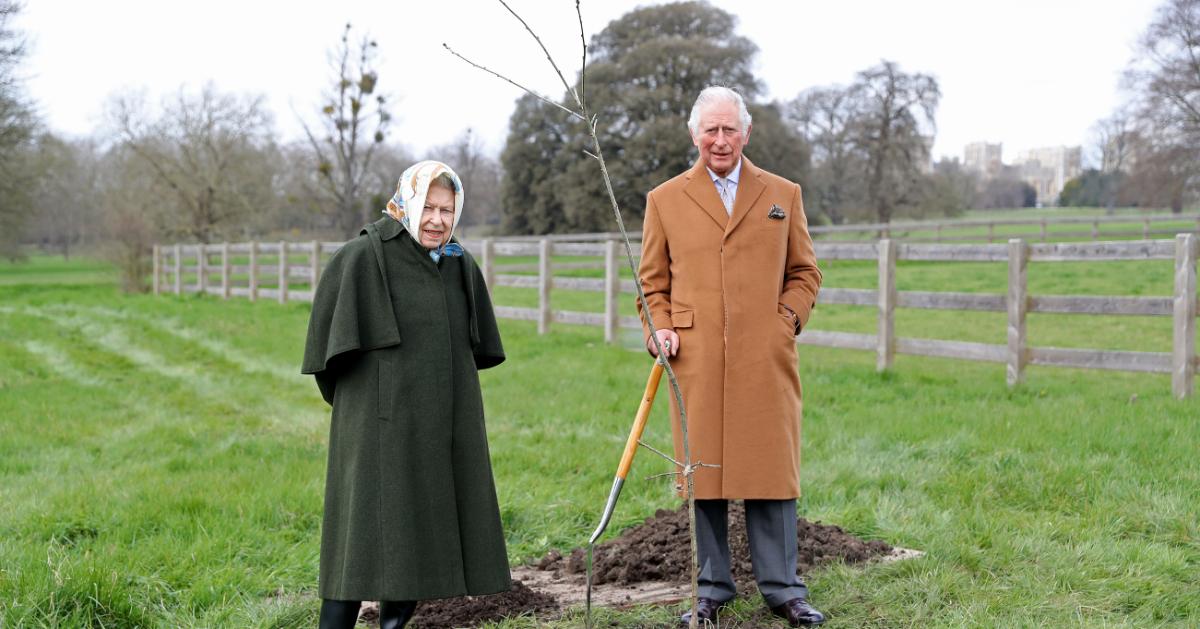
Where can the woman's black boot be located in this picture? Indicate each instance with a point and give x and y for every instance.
(339, 614)
(395, 614)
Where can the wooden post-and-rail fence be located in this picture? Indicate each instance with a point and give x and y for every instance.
(289, 271)
(1058, 228)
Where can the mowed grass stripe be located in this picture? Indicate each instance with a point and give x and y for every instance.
(211, 378)
(295, 399)
(173, 326)
(60, 363)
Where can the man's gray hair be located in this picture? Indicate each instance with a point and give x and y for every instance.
(712, 95)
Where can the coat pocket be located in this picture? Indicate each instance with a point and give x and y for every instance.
(681, 319)
(785, 315)
(385, 389)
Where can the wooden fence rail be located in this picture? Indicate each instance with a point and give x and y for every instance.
(269, 270)
(918, 231)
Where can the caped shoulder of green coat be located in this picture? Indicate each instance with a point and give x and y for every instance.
(353, 310)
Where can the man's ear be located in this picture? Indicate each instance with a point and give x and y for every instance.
(746, 140)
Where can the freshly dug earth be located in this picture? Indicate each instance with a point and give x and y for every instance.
(659, 550)
(472, 611)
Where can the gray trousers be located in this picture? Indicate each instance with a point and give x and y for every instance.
(771, 532)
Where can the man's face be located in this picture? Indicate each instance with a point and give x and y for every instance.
(720, 137)
(438, 217)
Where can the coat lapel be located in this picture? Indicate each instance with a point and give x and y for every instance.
(750, 187)
(703, 192)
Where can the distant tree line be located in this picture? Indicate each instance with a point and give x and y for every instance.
(204, 165)
(1147, 152)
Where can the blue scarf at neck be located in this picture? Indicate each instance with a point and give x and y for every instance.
(452, 249)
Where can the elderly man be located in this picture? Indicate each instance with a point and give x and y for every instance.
(730, 279)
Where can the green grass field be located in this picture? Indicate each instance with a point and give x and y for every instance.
(162, 462)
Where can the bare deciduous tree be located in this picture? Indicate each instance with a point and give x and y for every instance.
(1164, 80)
(128, 213)
(354, 121)
(825, 117)
(1167, 73)
(211, 151)
(17, 127)
(894, 125)
(1113, 138)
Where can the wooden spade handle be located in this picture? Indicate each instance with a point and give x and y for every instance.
(639, 422)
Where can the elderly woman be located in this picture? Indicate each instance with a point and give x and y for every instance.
(401, 323)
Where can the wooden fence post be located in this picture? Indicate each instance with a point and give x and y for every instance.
(487, 253)
(1146, 229)
(202, 267)
(886, 340)
(1183, 355)
(1044, 233)
(178, 269)
(314, 267)
(155, 256)
(612, 288)
(253, 281)
(1018, 306)
(1095, 230)
(991, 232)
(283, 272)
(225, 270)
(544, 282)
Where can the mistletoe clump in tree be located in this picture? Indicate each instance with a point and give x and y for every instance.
(354, 122)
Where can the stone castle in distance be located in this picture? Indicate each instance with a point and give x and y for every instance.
(1047, 169)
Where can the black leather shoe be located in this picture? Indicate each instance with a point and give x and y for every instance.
(395, 614)
(707, 609)
(799, 613)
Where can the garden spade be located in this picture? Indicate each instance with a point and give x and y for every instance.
(639, 425)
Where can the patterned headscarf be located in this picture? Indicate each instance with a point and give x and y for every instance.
(408, 204)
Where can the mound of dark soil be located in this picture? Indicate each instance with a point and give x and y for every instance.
(656, 550)
(472, 611)
(659, 550)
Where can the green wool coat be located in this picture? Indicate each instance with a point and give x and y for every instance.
(395, 342)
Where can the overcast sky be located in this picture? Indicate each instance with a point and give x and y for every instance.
(1027, 73)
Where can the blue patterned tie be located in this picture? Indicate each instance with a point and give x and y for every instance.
(725, 188)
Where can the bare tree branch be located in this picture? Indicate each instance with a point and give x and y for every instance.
(583, 61)
(554, 65)
(514, 83)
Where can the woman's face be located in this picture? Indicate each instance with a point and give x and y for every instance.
(437, 218)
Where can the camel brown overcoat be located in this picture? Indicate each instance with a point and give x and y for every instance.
(721, 282)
